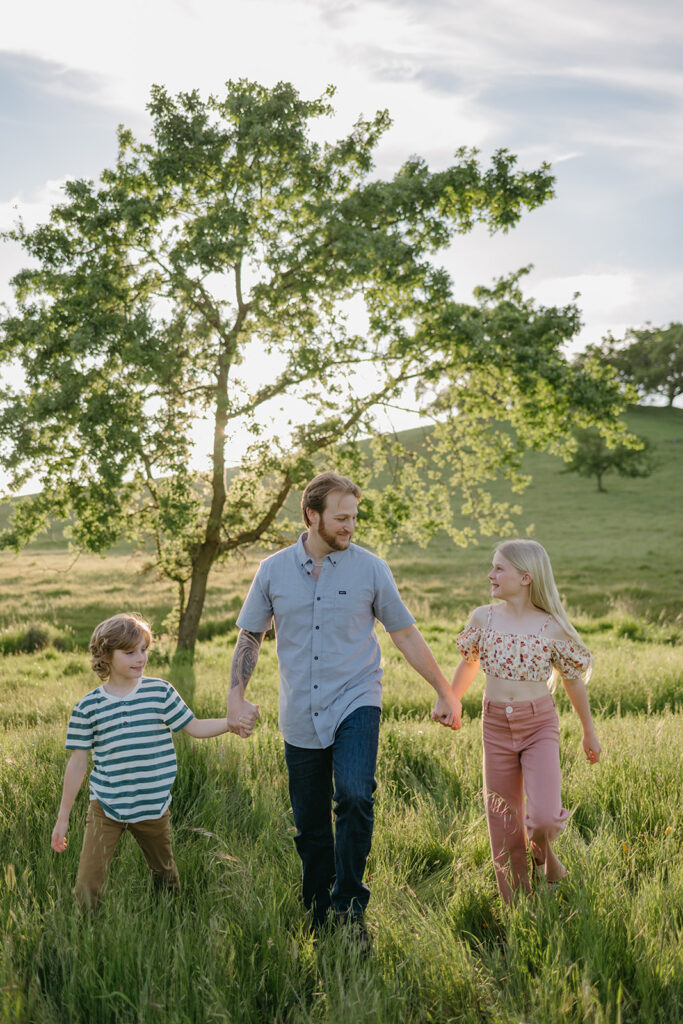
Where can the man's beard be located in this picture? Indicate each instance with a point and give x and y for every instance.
(331, 539)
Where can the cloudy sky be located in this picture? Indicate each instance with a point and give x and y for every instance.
(593, 86)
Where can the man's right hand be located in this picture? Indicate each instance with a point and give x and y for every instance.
(242, 714)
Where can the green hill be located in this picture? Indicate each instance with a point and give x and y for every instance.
(620, 548)
(613, 553)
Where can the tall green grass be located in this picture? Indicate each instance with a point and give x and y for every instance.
(606, 946)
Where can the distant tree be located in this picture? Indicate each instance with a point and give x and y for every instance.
(651, 359)
(593, 458)
(231, 239)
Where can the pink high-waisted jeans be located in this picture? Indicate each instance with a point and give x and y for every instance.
(521, 754)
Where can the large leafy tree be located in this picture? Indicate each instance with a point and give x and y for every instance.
(650, 358)
(233, 239)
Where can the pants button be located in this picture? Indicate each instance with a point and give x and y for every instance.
(508, 710)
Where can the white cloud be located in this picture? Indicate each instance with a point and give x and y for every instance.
(33, 210)
(663, 79)
(612, 301)
(601, 294)
(428, 62)
(181, 45)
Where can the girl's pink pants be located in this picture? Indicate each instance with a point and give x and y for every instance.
(521, 755)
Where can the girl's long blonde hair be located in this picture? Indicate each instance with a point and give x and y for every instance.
(531, 557)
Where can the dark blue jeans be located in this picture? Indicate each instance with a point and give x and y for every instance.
(333, 863)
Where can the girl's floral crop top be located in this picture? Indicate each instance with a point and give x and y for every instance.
(521, 656)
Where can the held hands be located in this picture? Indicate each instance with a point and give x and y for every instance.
(242, 714)
(591, 746)
(58, 841)
(448, 711)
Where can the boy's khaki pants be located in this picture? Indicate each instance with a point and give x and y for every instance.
(100, 839)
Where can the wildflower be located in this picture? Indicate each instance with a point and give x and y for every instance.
(667, 830)
(625, 845)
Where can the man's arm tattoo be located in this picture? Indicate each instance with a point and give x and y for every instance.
(245, 657)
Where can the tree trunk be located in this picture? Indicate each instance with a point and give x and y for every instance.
(601, 489)
(192, 613)
(201, 566)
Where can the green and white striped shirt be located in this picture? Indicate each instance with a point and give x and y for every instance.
(134, 760)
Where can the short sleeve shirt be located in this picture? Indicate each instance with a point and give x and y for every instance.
(134, 760)
(327, 648)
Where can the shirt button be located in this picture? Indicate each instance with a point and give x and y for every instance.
(315, 714)
(508, 710)
(317, 598)
(315, 657)
(317, 627)
(315, 686)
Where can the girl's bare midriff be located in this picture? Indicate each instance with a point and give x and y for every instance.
(510, 690)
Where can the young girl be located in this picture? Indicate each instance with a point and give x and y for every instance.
(128, 722)
(523, 643)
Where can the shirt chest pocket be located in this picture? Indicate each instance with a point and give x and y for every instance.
(352, 616)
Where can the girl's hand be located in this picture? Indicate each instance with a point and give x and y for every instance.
(591, 746)
(58, 842)
(448, 711)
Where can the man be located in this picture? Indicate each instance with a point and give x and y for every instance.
(324, 594)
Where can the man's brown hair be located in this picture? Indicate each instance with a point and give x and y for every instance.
(315, 495)
(119, 633)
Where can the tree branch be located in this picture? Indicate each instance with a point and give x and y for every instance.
(251, 536)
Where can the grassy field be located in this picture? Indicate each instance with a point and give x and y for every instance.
(605, 948)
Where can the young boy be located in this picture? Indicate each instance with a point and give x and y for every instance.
(128, 723)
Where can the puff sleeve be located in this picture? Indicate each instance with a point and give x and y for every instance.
(468, 643)
(571, 659)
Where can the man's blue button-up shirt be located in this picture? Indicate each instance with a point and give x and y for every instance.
(327, 648)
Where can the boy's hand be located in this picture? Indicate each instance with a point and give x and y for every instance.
(249, 719)
(242, 714)
(58, 842)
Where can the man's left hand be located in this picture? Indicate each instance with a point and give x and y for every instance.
(448, 711)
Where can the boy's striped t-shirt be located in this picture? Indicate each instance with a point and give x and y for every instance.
(131, 737)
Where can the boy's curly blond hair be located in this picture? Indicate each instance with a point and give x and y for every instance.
(119, 633)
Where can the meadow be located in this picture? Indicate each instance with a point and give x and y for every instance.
(604, 947)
